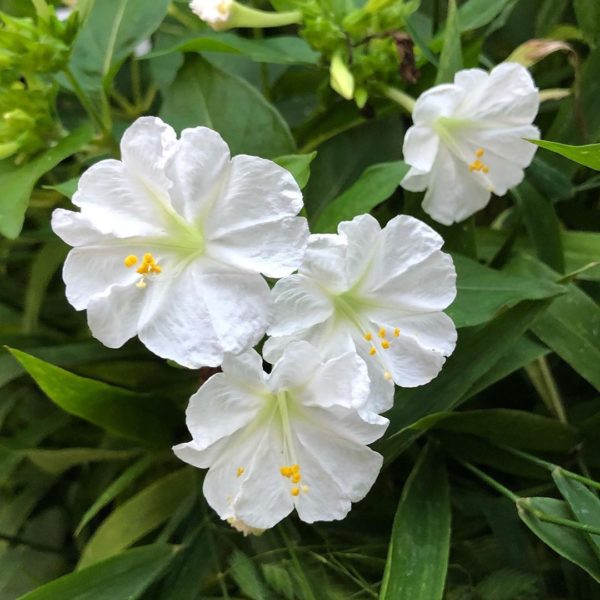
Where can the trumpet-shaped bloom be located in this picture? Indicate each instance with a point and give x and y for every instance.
(467, 140)
(215, 13)
(289, 440)
(379, 292)
(171, 241)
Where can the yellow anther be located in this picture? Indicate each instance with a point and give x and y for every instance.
(155, 268)
(148, 258)
(295, 491)
(240, 471)
(286, 471)
(373, 351)
(385, 344)
(296, 477)
(485, 169)
(141, 284)
(381, 333)
(396, 331)
(295, 468)
(479, 152)
(387, 375)
(130, 260)
(368, 336)
(305, 488)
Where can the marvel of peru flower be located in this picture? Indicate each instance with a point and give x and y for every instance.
(379, 292)
(468, 140)
(171, 241)
(288, 440)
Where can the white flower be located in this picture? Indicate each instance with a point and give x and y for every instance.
(379, 292)
(467, 140)
(215, 13)
(170, 243)
(291, 439)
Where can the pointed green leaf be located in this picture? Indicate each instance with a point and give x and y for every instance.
(137, 517)
(418, 552)
(298, 165)
(588, 155)
(451, 56)
(125, 576)
(134, 416)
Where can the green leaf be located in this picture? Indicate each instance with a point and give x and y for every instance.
(451, 56)
(59, 460)
(119, 411)
(418, 552)
(588, 19)
(247, 576)
(569, 543)
(515, 428)
(17, 183)
(477, 351)
(278, 50)
(203, 94)
(482, 292)
(542, 225)
(376, 184)
(477, 13)
(588, 156)
(66, 188)
(298, 165)
(127, 575)
(584, 504)
(138, 516)
(110, 34)
(126, 478)
(571, 324)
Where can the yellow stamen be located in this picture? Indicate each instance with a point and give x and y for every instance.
(387, 375)
(240, 471)
(295, 468)
(368, 336)
(141, 284)
(148, 258)
(396, 332)
(381, 333)
(130, 260)
(385, 344)
(485, 169)
(479, 152)
(295, 491)
(286, 471)
(305, 488)
(372, 351)
(296, 477)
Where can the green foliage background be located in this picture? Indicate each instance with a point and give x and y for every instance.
(489, 486)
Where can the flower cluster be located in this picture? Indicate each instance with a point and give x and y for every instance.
(173, 242)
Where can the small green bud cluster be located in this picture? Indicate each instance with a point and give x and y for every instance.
(30, 52)
(365, 47)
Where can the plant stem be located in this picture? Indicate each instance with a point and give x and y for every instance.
(399, 97)
(490, 481)
(246, 16)
(523, 504)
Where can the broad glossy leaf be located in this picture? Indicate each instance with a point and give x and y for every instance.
(203, 94)
(138, 516)
(568, 542)
(584, 504)
(542, 225)
(451, 56)
(119, 411)
(17, 183)
(482, 292)
(376, 184)
(298, 165)
(125, 576)
(515, 428)
(588, 155)
(279, 49)
(418, 552)
(110, 34)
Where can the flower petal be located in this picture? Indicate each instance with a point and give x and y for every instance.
(439, 101)
(362, 234)
(74, 229)
(199, 170)
(420, 147)
(324, 255)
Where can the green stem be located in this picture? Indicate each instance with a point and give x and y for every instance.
(302, 580)
(523, 504)
(490, 481)
(399, 97)
(246, 16)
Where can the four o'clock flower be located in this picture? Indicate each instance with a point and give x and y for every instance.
(467, 140)
(289, 440)
(171, 241)
(379, 292)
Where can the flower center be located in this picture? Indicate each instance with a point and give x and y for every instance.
(148, 267)
(477, 164)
